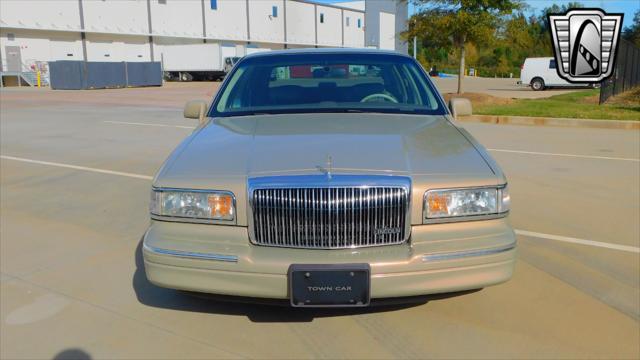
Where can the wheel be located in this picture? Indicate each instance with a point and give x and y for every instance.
(185, 77)
(537, 84)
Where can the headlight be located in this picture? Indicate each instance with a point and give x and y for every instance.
(439, 204)
(193, 204)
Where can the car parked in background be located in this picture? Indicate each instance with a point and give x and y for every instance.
(541, 73)
(328, 177)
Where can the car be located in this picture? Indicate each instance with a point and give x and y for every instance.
(318, 184)
(541, 74)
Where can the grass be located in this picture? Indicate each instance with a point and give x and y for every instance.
(576, 105)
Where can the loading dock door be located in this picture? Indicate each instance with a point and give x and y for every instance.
(14, 58)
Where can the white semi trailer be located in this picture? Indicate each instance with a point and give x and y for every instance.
(196, 60)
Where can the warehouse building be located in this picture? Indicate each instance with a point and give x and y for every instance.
(187, 35)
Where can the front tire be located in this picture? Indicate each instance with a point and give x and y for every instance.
(537, 84)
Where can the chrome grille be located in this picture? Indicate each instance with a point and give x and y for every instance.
(330, 217)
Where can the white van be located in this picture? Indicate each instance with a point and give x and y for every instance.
(540, 73)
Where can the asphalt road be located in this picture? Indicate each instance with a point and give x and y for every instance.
(75, 172)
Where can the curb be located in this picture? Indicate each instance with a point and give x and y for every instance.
(560, 122)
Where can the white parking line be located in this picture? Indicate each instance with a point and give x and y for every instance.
(565, 155)
(626, 248)
(76, 167)
(605, 245)
(147, 124)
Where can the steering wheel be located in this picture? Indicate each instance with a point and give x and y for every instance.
(381, 96)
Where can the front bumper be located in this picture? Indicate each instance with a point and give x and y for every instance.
(439, 258)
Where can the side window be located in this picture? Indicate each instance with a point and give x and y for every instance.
(347, 20)
(552, 64)
(359, 24)
(274, 11)
(321, 18)
(214, 4)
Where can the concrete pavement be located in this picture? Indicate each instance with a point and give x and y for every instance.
(72, 281)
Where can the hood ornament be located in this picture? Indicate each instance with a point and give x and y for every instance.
(328, 167)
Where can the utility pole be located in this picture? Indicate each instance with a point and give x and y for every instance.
(415, 47)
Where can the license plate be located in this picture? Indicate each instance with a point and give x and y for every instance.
(329, 285)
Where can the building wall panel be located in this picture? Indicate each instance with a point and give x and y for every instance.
(117, 30)
(117, 48)
(116, 16)
(329, 31)
(300, 23)
(353, 35)
(263, 25)
(167, 18)
(387, 31)
(65, 46)
(104, 48)
(228, 21)
(356, 5)
(37, 45)
(40, 14)
(136, 48)
(373, 17)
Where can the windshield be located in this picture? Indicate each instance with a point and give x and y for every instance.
(327, 82)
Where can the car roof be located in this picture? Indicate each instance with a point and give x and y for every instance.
(311, 51)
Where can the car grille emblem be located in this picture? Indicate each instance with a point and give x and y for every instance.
(585, 43)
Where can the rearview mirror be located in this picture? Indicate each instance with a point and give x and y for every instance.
(460, 107)
(196, 109)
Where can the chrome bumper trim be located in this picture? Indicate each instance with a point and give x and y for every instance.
(463, 254)
(191, 255)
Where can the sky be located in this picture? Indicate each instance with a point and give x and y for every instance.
(628, 7)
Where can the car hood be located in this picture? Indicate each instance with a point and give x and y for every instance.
(262, 145)
(227, 151)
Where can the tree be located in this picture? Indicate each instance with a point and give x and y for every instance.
(632, 33)
(452, 24)
(557, 9)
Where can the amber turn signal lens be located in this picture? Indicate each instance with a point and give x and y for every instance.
(437, 203)
(221, 206)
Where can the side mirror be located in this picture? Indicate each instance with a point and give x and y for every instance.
(460, 107)
(196, 109)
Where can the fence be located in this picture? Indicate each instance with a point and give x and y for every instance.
(626, 75)
(76, 75)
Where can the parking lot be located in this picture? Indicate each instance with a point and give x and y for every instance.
(75, 174)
